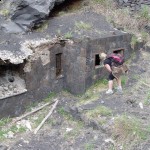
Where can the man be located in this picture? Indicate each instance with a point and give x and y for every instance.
(113, 64)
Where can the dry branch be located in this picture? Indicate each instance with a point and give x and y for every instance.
(33, 111)
(146, 84)
(48, 115)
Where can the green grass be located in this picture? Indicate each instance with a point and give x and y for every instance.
(93, 93)
(100, 1)
(144, 36)
(63, 113)
(38, 120)
(144, 13)
(87, 98)
(58, 32)
(50, 97)
(136, 76)
(4, 12)
(31, 106)
(127, 128)
(102, 121)
(14, 129)
(124, 80)
(98, 111)
(4, 121)
(69, 121)
(101, 81)
(82, 25)
(43, 27)
(68, 35)
(77, 127)
(147, 99)
(106, 3)
(88, 146)
(134, 41)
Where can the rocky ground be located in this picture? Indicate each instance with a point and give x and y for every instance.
(95, 121)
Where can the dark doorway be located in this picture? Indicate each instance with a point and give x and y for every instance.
(97, 60)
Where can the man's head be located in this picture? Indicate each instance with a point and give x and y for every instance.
(102, 56)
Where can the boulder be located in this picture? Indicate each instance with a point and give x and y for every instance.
(27, 14)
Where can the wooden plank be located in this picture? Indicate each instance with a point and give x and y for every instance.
(47, 116)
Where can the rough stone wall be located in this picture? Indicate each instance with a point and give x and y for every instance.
(40, 71)
(75, 66)
(134, 5)
(106, 45)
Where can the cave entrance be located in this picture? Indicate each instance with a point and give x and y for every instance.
(66, 7)
(11, 80)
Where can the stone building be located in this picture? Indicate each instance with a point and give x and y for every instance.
(36, 64)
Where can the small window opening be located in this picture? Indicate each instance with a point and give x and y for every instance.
(97, 60)
(120, 51)
(58, 64)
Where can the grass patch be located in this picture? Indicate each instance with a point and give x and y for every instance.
(105, 3)
(31, 106)
(58, 32)
(102, 121)
(69, 121)
(144, 36)
(5, 129)
(88, 146)
(68, 35)
(82, 25)
(38, 120)
(147, 99)
(4, 12)
(88, 97)
(50, 97)
(136, 76)
(63, 113)
(144, 13)
(129, 130)
(4, 121)
(93, 93)
(77, 127)
(43, 27)
(124, 80)
(14, 129)
(134, 41)
(100, 1)
(101, 81)
(99, 111)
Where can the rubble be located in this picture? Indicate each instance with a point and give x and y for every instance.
(11, 85)
(134, 5)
